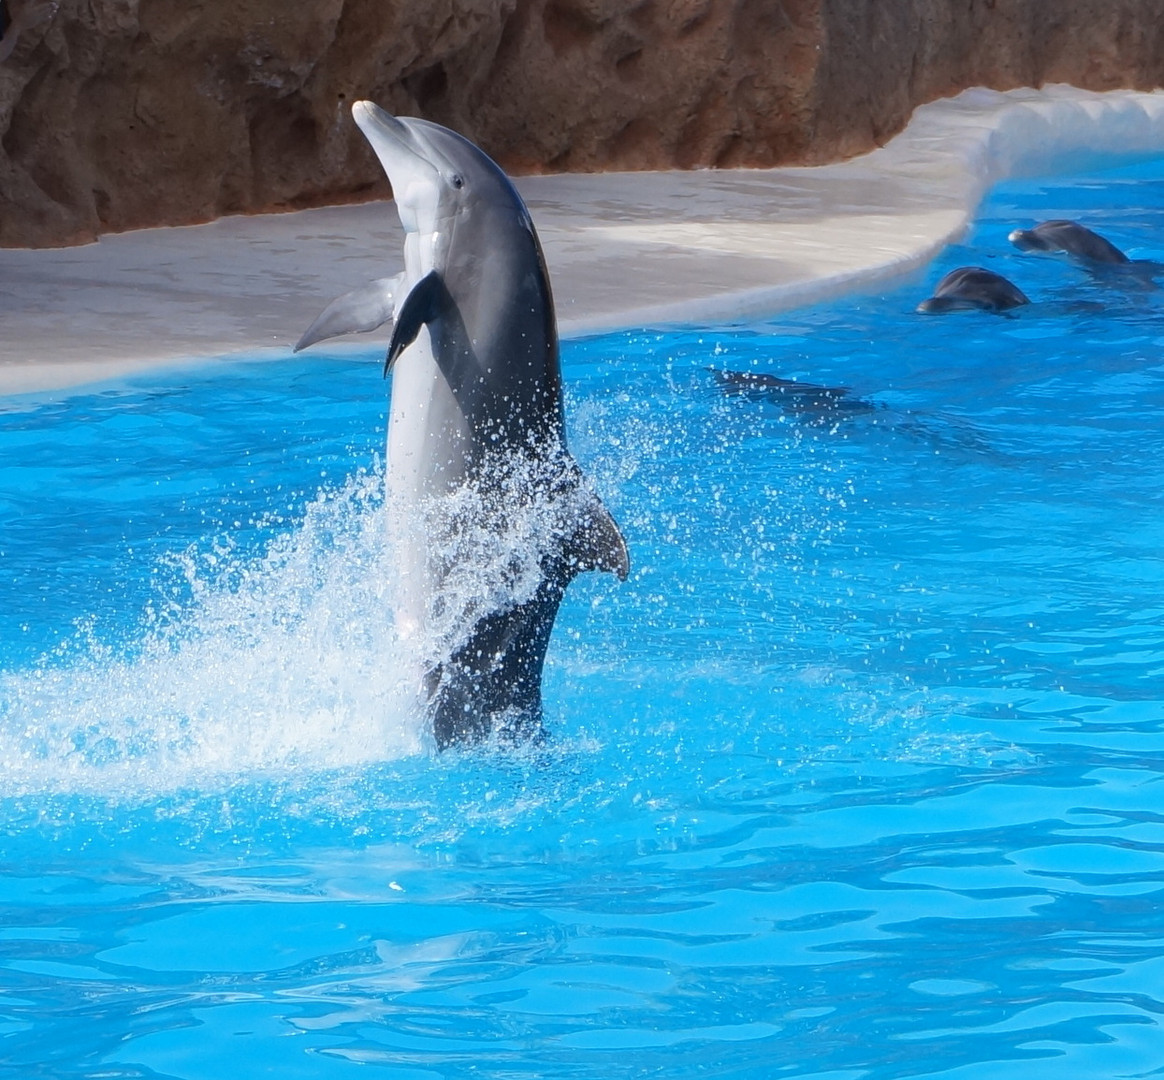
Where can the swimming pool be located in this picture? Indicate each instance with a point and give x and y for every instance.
(856, 776)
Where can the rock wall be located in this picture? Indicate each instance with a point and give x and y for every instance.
(116, 114)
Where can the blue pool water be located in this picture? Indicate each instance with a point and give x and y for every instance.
(861, 774)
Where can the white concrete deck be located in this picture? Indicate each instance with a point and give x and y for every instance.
(624, 250)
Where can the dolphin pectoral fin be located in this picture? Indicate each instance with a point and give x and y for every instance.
(597, 543)
(420, 306)
(358, 311)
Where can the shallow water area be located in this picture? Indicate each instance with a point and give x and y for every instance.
(858, 775)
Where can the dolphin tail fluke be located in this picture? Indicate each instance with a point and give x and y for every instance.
(421, 305)
(597, 543)
(355, 312)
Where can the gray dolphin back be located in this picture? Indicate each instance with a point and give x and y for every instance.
(973, 288)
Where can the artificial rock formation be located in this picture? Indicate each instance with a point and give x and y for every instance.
(116, 114)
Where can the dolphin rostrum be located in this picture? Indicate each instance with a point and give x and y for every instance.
(492, 517)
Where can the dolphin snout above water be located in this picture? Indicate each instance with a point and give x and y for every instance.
(972, 288)
(1069, 238)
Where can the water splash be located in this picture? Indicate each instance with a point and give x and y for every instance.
(288, 659)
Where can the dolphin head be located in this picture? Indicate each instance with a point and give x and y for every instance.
(973, 287)
(438, 179)
(1028, 240)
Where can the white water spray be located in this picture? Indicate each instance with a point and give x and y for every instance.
(283, 661)
(289, 661)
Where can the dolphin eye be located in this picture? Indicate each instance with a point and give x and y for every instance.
(458, 183)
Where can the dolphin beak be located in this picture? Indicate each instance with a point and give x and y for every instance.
(413, 167)
(401, 154)
(377, 124)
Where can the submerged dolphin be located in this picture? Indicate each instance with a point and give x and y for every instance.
(1072, 239)
(809, 402)
(481, 488)
(971, 288)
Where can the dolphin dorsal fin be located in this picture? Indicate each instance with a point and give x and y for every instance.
(597, 543)
(421, 305)
(356, 312)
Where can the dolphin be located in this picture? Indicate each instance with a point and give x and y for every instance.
(481, 487)
(810, 402)
(971, 288)
(1095, 254)
(1072, 239)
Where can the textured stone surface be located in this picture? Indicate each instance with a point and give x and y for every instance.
(117, 114)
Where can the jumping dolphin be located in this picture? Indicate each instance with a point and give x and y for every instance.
(476, 442)
(1072, 239)
(971, 288)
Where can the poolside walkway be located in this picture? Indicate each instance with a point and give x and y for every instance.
(624, 249)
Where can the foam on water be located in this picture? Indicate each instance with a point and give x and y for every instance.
(279, 660)
(271, 662)
(273, 659)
